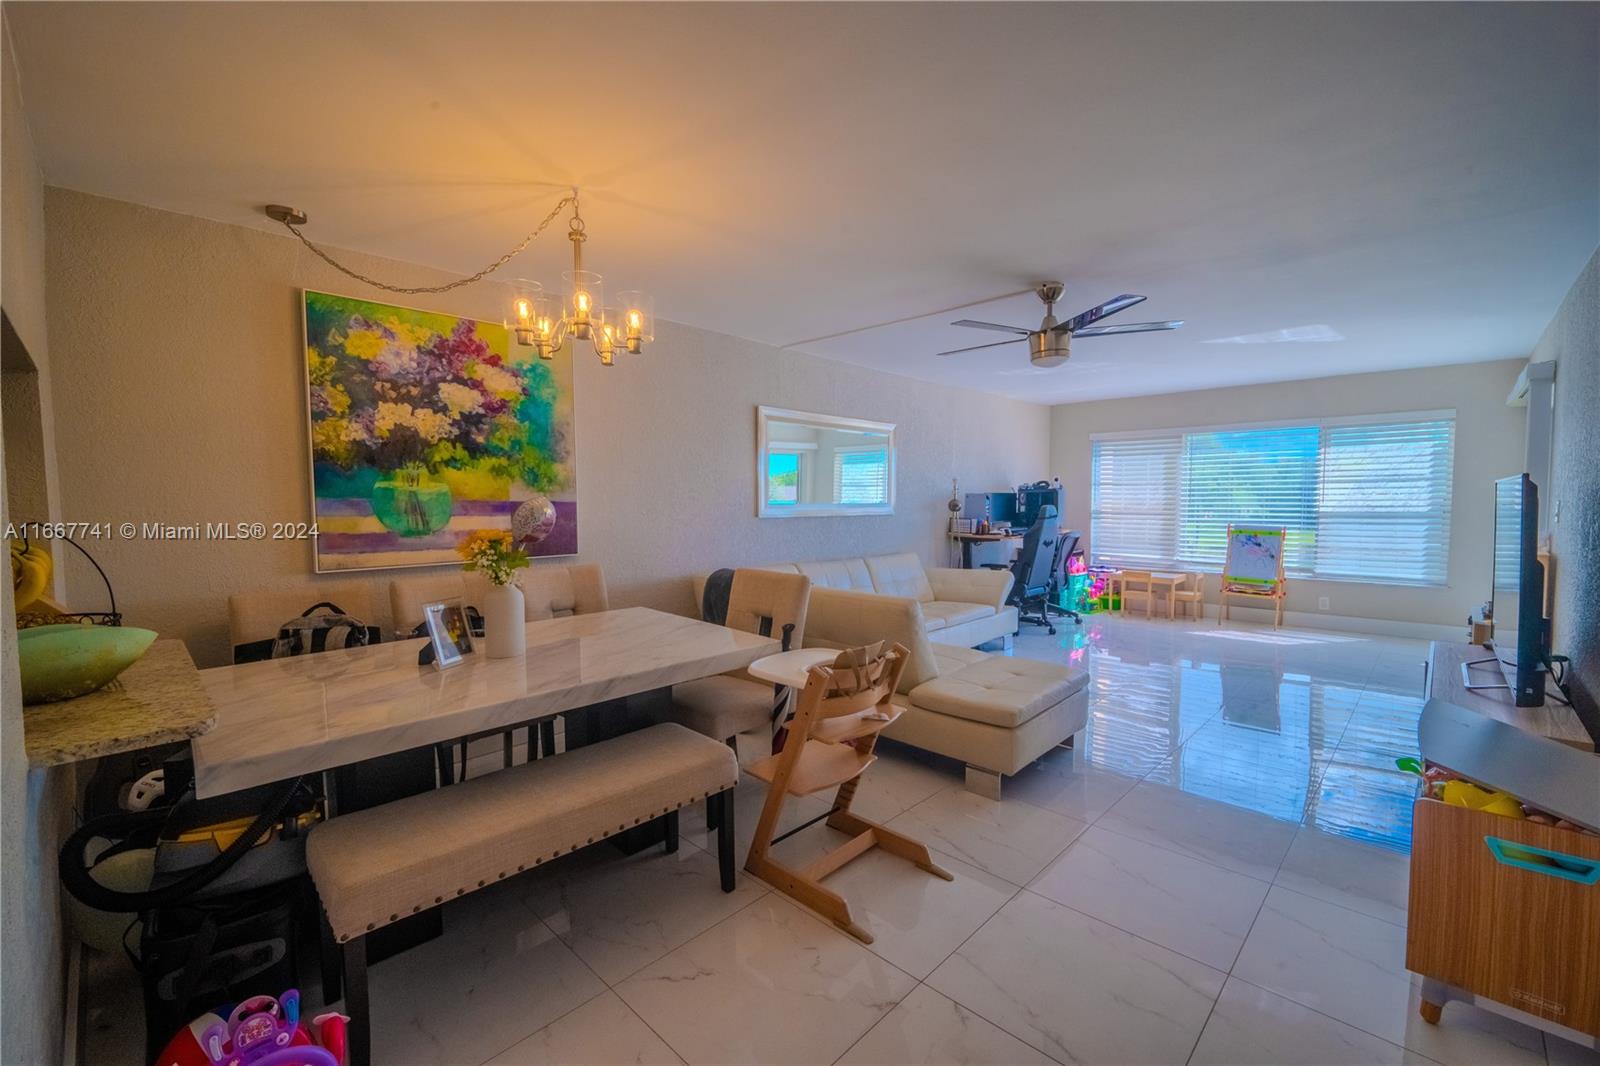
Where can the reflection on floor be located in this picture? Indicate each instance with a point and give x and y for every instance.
(1216, 875)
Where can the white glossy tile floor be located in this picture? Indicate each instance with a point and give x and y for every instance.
(1216, 874)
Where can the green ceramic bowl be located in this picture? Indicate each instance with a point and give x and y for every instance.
(63, 661)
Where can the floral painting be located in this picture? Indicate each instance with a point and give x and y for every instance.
(426, 428)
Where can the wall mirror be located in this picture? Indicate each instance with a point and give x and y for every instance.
(810, 464)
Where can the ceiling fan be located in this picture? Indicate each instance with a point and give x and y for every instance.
(1051, 343)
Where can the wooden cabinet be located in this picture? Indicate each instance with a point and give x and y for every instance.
(1506, 909)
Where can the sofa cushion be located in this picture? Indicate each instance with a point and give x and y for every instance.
(999, 690)
(838, 574)
(948, 613)
(899, 575)
(952, 657)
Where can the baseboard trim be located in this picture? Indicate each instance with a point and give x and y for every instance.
(1385, 627)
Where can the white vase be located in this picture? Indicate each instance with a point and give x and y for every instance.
(503, 634)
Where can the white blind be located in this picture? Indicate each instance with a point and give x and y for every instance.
(1133, 508)
(1254, 477)
(1385, 508)
(1360, 501)
(861, 477)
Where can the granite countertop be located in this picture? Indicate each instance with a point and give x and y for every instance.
(157, 700)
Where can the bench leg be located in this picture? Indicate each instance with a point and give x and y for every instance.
(328, 956)
(671, 823)
(356, 1004)
(723, 803)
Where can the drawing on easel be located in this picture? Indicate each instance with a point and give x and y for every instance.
(1254, 567)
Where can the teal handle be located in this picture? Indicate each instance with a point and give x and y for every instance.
(1566, 867)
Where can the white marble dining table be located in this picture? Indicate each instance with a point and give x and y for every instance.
(284, 717)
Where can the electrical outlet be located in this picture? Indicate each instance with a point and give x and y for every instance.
(1322, 603)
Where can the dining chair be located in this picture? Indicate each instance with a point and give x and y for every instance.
(1195, 595)
(830, 742)
(766, 602)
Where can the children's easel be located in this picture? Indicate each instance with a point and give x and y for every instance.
(1254, 568)
(842, 709)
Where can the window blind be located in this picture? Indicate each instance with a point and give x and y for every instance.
(1384, 514)
(1360, 501)
(861, 477)
(1133, 508)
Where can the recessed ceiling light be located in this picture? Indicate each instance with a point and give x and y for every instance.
(1318, 334)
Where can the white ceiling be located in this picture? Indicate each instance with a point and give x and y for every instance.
(1420, 180)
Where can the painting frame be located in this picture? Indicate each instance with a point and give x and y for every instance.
(558, 391)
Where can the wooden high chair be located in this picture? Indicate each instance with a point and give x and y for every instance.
(830, 742)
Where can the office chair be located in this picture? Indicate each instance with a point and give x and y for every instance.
(1066, 544)
(1031, 571)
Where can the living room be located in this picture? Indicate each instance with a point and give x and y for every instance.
(716, 340)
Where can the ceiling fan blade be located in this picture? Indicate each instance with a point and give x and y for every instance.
(1126, 327)
(972, 323)
(980, 347)
(1096, 313)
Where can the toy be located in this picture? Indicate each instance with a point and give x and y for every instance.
(260, 1031)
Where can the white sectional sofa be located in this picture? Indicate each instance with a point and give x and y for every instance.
(963, 608)
(996, 713)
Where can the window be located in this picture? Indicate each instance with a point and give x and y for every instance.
(861, 476)
(783, 479)
(1361, 500)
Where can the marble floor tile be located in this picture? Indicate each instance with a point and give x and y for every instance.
(619, 913)
(1079, 989)
(772, 984)
(602, 1032)
(1062, 780)
(497, 975)
(927, 1029)
(1192, 907)
(1351, 967)
(916, 919)
(1234, 838)
(1010, 839)
(901, 778)
(1364, 878)
(1253, 1027)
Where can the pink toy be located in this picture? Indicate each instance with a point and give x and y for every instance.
(261, 1031)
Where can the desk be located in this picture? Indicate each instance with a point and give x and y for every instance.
(968, 540)
(283, 717)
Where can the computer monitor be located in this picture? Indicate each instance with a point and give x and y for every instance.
(1000, 508)
(1521, 633)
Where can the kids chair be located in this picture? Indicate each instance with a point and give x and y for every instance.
(830, 742)
(1195, 594)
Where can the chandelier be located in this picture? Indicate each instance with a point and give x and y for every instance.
(540, 320)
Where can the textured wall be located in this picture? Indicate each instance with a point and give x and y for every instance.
(33, 803)
(176, 347)
(1489, 444)
(1573, 340)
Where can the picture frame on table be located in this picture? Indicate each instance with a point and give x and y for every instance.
(449, 633)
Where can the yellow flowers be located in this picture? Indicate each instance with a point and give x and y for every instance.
(492, 553)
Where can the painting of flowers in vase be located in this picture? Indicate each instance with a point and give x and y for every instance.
(426, 428)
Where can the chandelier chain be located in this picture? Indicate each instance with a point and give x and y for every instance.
(458, 283)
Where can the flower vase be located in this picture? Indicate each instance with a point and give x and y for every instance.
(504, 635)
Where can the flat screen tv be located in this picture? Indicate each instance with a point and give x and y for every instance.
(1521, 640)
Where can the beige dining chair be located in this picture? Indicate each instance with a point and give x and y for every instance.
(255, 617)
(721, 707)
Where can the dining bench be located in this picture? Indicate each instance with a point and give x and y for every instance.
(376, 866)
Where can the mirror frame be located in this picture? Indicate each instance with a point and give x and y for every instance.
(766, 415)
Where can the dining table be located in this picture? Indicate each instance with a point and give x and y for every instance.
(280, 718)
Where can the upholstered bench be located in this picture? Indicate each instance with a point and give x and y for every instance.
(385, 863)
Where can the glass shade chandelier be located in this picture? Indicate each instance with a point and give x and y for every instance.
(540, 320)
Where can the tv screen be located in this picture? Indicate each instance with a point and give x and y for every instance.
(1520, 632)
